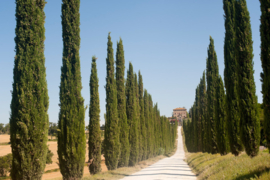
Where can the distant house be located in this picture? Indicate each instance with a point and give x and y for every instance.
(180, 114)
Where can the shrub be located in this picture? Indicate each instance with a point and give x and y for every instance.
(49, 157)
(161, 151)
(5, 164)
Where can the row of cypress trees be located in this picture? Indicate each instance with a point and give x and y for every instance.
(223, 123)
(134, 129)
(265, 59)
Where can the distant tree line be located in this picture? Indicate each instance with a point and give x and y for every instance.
(134, 128)
(231, 121)
(4, 129)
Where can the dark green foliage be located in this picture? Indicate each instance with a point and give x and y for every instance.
(265, 58)
(132, 117)
(121, 100)
(138, 115)
(112, 144)
(143, 152)
(151, 126)
(147, 123)
(203, 113)
(222, 132)
(212, 76)
(249, 121)
(94, 141)
(195, 132)
(231, 79)
(71, 135)
(5, 164)
(198, 120)
(29, 119)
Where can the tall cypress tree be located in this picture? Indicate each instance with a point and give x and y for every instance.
(222, 132)
(231, 79)
(71, 137)
(265, 58)
(203, 113)
(132, 117)
(29, 119)
(212, 76)
(151, 129)
(136, 88)
(198, 120)
(94, 125)
(121, 100)
(142, 120)
(111, 136)
(249, 123)
(147, 124)
(194, 124)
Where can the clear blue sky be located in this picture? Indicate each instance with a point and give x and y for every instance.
(166, 39)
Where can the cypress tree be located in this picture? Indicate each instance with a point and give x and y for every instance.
(132, 117)
(71, 137)
(155, 120)
(111, 136)
(194, 124)
(265, 58)
(222, 132)
(249, 121)
(203, 103)
(151, 130)
(136, 88)
(142, 120)
(94, 125)
(198, 120)
(231, 79)
(29, 119)
(212, 76)
(147, 123)
(121, 106)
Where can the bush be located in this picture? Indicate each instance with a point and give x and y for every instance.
(5, 164)
(161, 151)
(49, 157)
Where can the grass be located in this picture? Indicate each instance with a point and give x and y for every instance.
(5, 143)
(52, 170)
(229, 167)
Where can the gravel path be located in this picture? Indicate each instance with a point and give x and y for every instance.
(173, 167)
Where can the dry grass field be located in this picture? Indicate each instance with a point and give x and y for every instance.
(53, 168)
(4, 138)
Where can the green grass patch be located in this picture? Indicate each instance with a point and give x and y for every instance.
(213, 167)
(5, 143)
(7, 177)
(52, 170)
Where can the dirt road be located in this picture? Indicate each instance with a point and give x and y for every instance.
(170, 168)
